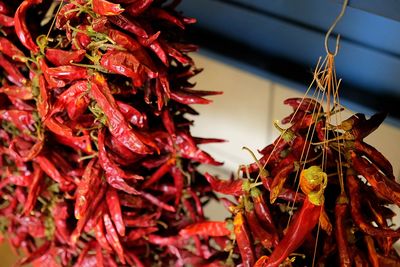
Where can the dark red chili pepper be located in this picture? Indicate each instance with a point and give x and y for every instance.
(243, 240)
(9, 49)
(388, 261)
(21, 28)
(375, 156)
(146, 220)
(114, 208)
(162, 14)
(228, 187)
(341, 210)
(308, 105)
(60, 215)
(13, 74)
(372, 254)
(155, 201)
(207, 228)
(140, 233)
(178, 182)
(157, 175)
(112, 238)
(106, 8)
(138, 7)
(116, 122)
(358, 127)
(188, 98)
(59, 57)
(380, 183)
(128, 25)
(3, 8)
(356, 212)
(197, 202)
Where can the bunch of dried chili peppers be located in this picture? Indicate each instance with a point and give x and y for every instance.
(98, 166)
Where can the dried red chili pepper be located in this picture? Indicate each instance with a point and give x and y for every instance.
(285, 167)
(355, 209)
(106, 8)
(341, 210)
(129, 25)
(13, 74)
(60, 57)
(114, 208)
(112, 238)
(138, 7)
(34, 189)
(208, 228)
(243, 240)
(21, 29)
(228, 187)
(17, 92)
(9, 49)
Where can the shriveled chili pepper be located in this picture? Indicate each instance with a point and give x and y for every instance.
(208, 228)
(13, 74)
(34, 189)
(6, 21)
(162, 14)
(358, 127)
(106, 8)
(112, 238)
(21, 28)
(36, 254)
(379, 182)
(52, 82)
(157, 175)
(116, 123)
(101, 237)
(372, 254)
(138, 7)
(19, 92)
(124, 23)
(114, 208)
(132, 115)
(243, 240)
(67, 73)
(188, 98)
(66, 14)
(355, 209)
(152, 199)
(228, 187)
(124, 40)
(341, 210)
(9, 49)
(60, 57)
(285, 167)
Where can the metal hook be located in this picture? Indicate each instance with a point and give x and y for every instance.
(345, 2)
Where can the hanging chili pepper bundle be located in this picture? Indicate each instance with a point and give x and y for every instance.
(98, 166)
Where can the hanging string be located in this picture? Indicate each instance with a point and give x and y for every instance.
(345, 2)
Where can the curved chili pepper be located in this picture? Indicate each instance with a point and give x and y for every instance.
(132, 115)
(23, 120)
(59, 57)
(67, 73)
(286, 194)
(34, 189)
(358, 127)
(124, 40)
(6, 21)
(21, 28)
(128, 25)
(379, 182)
(9, 49)
(106, 8)
(66, 14)
(227, 187)
(138, 7)
(39, 252)
(155, 201)
(114, 208)
(162, 14)
(19, 92)
(286, 167)
(208, 228)
(340, 231)
(308, 105)
(114, 174)
(13, 74)
(355, 209)
(263, 213)
(52, 82)
(375, 156)
(101, 237)
(116, 123)
(303, 223)
(3, 8)
(243, 240)
(112, 238)
(188, 98)
(80, 38)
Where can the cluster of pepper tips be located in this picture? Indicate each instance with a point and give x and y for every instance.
(318, 196)
(98, 165)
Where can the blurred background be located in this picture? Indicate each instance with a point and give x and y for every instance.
(261, 52)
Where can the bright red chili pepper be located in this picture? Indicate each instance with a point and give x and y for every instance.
(106, 8)
(21, 28)
(124, 40)
(116, 123)
(66, 14)
(228, 187)
(67, 73)
(23, 120)
(285, 167)
(157, 175)
(13, 74)
(101, 237)
(114, 208)
(243, 240)
(112, 238)
(132, 115)
(60, 57)
(207, 228)
(18, 92)
(66, 183)
(9, 49)
(179, 180)
(6, 21)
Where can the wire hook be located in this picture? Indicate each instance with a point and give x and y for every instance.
(345, 3)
